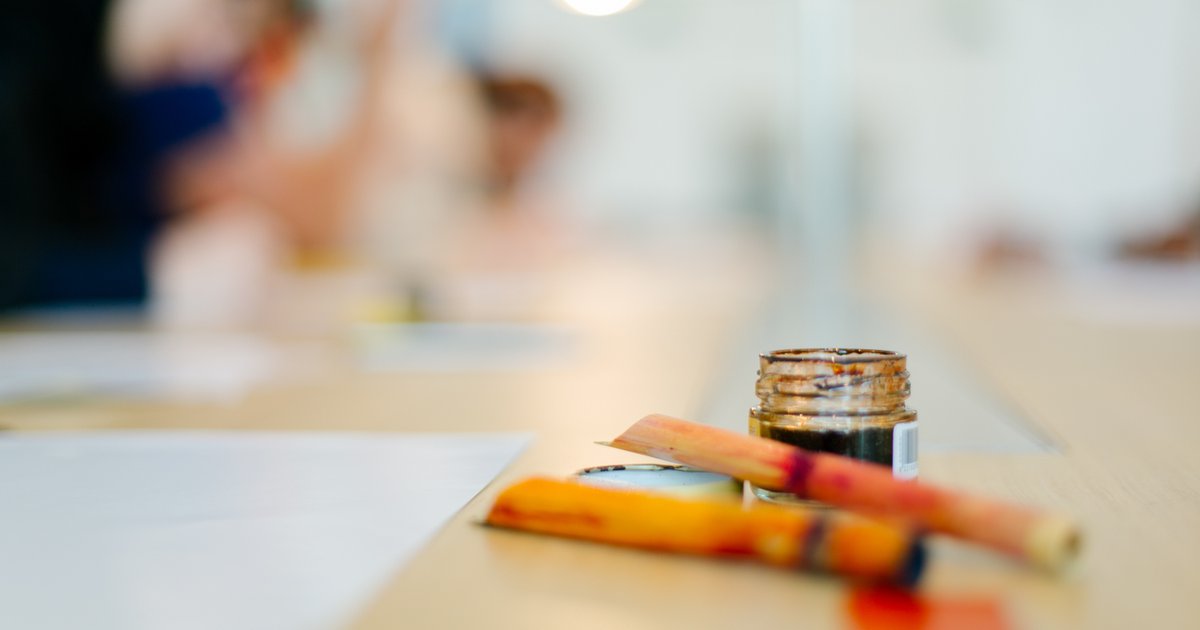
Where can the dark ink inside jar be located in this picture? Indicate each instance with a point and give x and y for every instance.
(873, 444)
(843, 401)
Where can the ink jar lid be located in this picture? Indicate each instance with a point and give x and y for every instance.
(676, 480)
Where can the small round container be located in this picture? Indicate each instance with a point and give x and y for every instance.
(845, 401)
(677, 480)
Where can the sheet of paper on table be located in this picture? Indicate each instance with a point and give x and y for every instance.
(463, 347)
(223, 530)
(133, 364)
(1129, 294)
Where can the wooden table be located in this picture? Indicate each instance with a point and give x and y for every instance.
(1119, 400)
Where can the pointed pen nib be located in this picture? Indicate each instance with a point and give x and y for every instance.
(603, 443)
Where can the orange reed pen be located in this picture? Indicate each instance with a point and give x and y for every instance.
(803, 539)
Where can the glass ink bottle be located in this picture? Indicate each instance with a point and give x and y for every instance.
(844, 401)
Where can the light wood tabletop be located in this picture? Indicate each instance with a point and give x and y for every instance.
(1117, 399)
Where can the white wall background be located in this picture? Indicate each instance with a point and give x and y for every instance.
(1070, 119)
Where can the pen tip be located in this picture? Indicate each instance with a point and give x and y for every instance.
(603, 443)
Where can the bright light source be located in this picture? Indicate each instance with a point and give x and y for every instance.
(597, 7)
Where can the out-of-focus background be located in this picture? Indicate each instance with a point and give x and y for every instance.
(423, 185)
(201, 196)
(199, 156)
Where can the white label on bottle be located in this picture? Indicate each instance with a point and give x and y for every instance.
(904, 450)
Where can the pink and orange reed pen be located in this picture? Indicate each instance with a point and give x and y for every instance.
(1043, 539)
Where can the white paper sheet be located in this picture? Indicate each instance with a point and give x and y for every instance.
(462, 347)
(1132, 294)
(133, 364)
(229, 530)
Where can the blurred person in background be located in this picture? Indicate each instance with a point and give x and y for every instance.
(1178, 243)
(520, 226)
(107, 133)
(353, 151)
(523, 115)
(81, 158)
(194, 149)
(519, 239)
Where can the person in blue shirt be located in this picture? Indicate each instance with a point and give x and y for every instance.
(82, 159)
